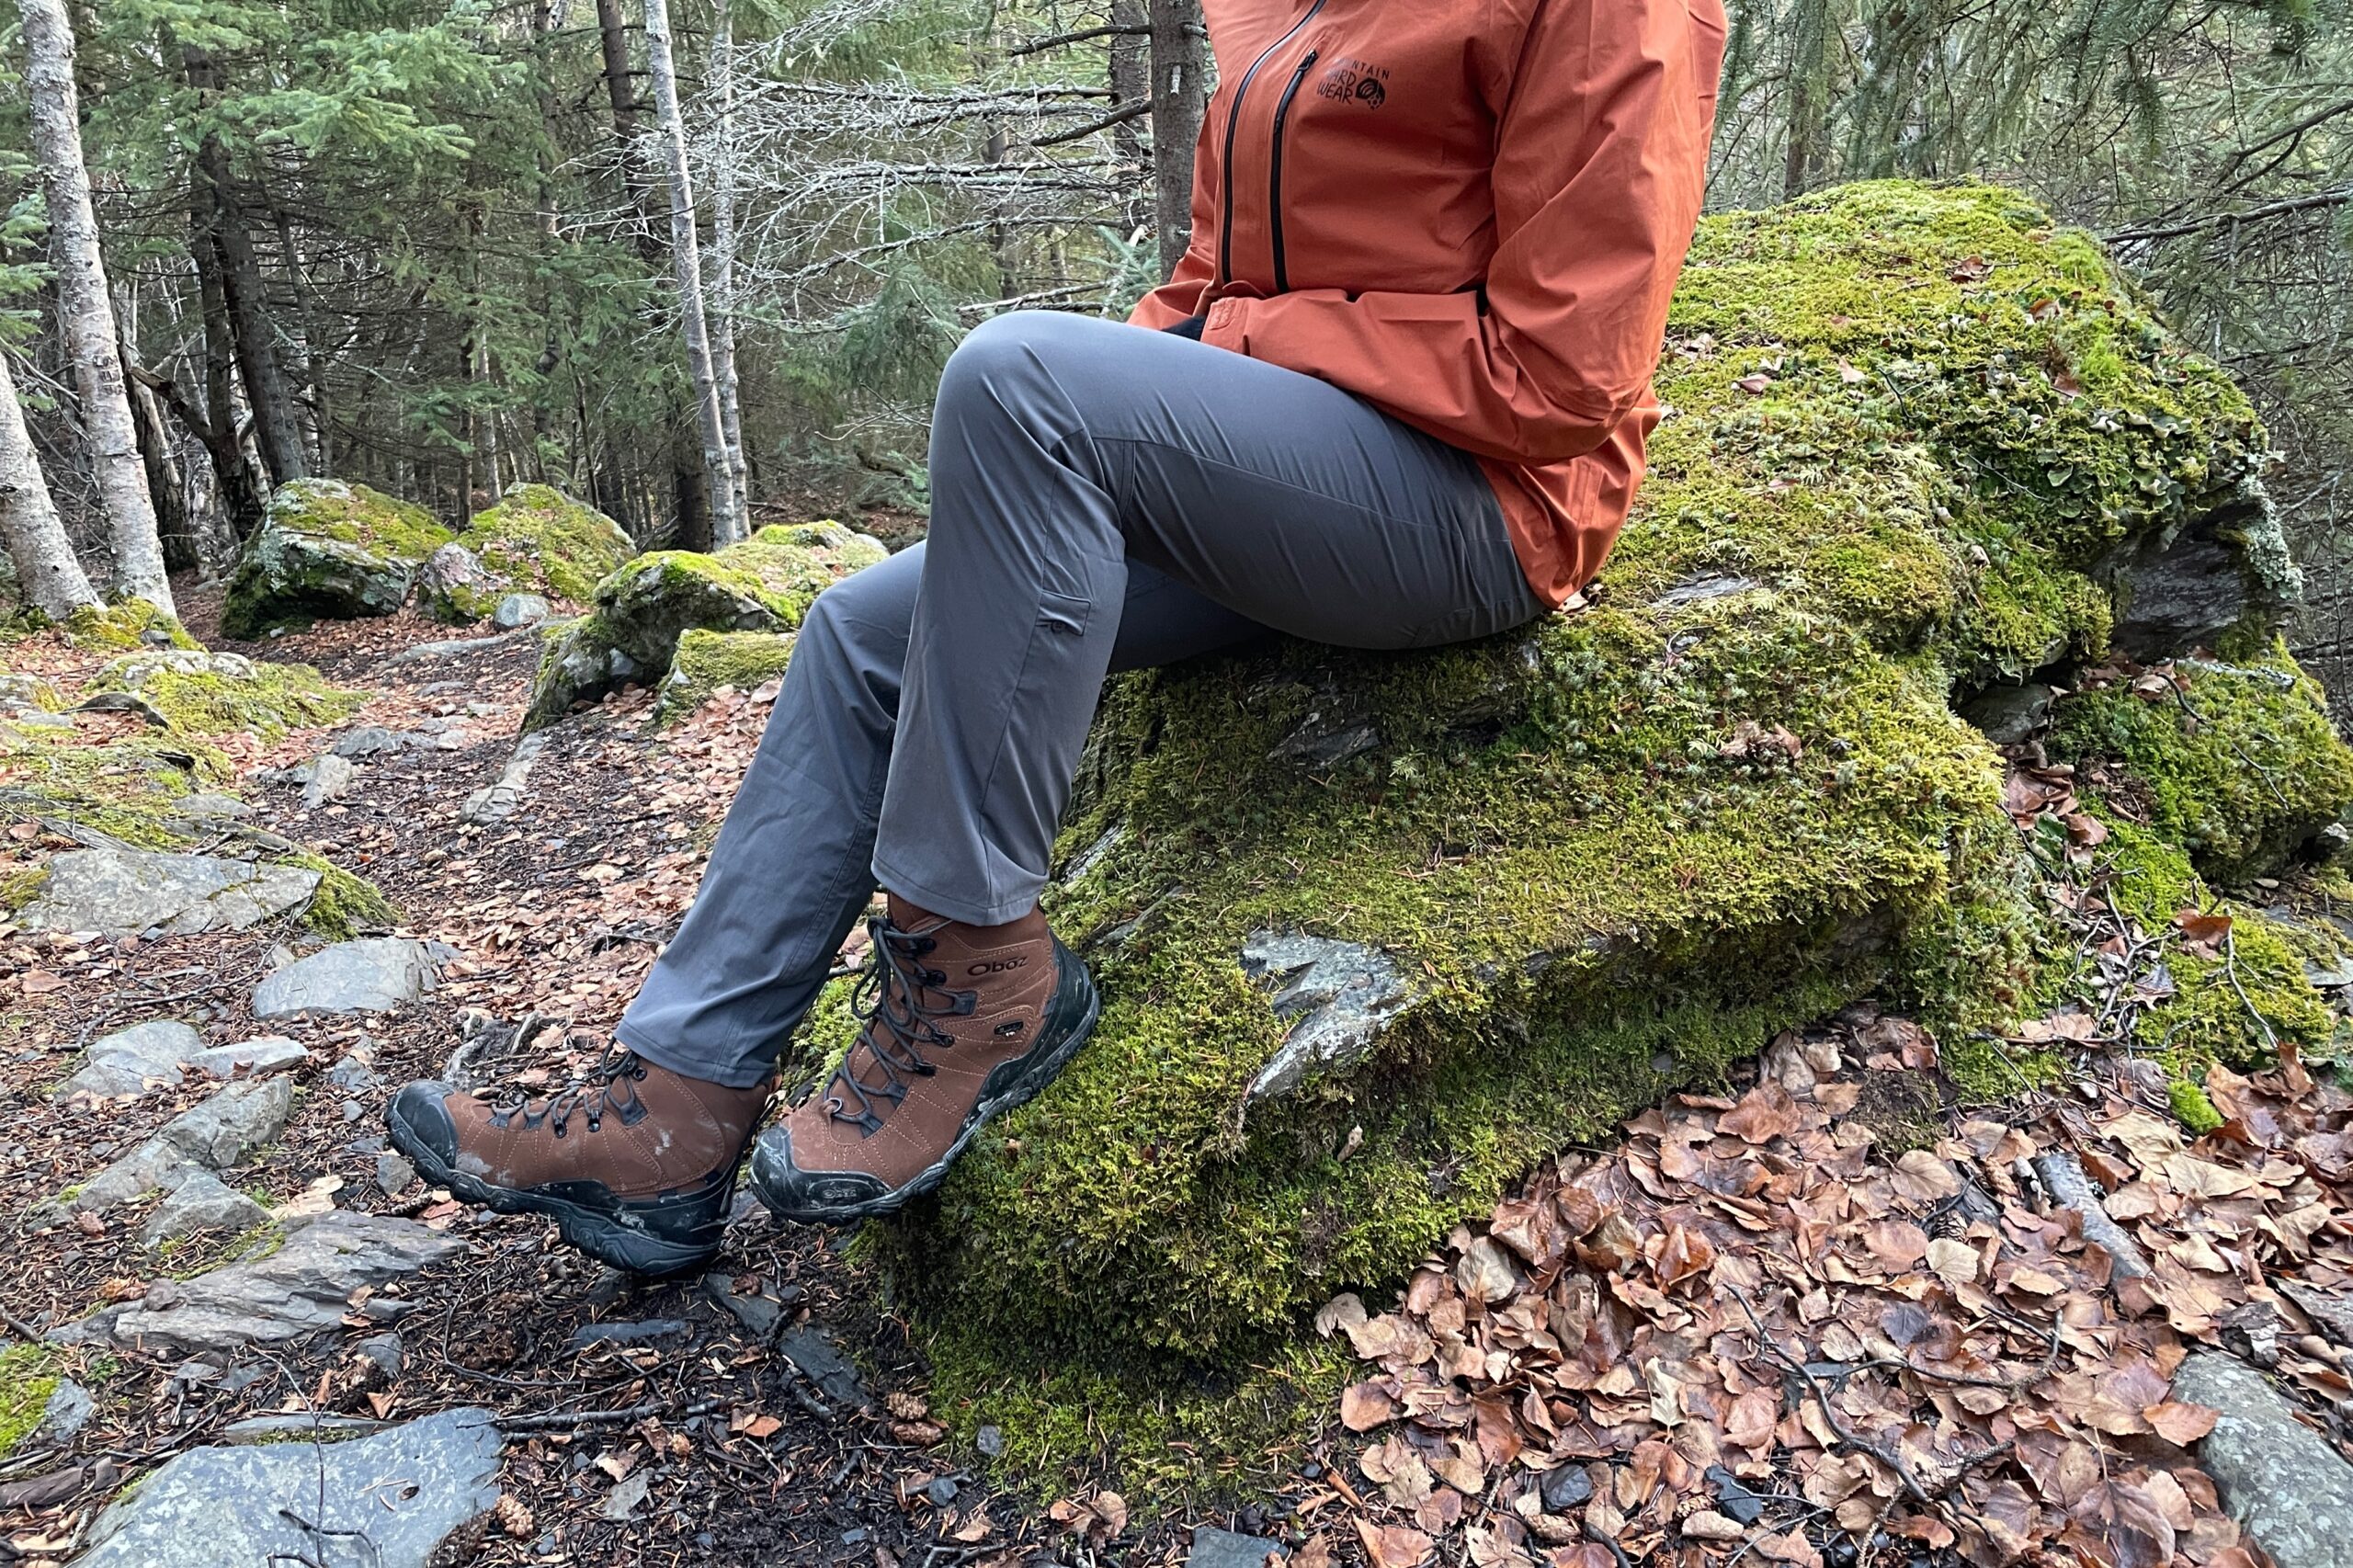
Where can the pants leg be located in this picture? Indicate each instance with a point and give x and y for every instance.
(1066, 450)
(788, 875)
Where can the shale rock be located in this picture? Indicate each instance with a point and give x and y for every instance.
(373, 975)
(765, 584)
(389, 1500)
(128, 891)
(1378, 933)
(327, 551)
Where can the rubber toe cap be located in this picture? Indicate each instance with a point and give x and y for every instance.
(419, 1121)
(809, 1197)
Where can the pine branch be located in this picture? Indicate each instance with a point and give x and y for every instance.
(2338, 196)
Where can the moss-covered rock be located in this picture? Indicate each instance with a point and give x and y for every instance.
(133, 623)
(29, 1375)
(537, 540)
(327, 551)
(197, 693)
(708, 661)
(764, 584)
(1378, 933)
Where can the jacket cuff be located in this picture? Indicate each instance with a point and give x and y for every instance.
(1228, 326)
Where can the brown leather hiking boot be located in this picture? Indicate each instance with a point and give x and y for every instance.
(634, 1162)
(961, 1022)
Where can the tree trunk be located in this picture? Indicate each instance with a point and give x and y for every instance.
(1180, 92)
(216, 427)
(276, 428)
(53, 580)
(315, 346)
(1131, 84)
(722, 276)
(685, 257)
(84, 308)
(172, 530)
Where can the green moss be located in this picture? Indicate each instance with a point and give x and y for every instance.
(21, 887)
(356, 515)
(343, 905)
(124, 790)
(217, 694)
(2237, 770)
(326, 550)
(2191, 1108)
(541, 538)
(2237, 1008)
(133, 623)
(29, 1376)
(707, 661)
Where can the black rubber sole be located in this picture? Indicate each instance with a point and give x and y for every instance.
(786, 1205)
(608, 1236)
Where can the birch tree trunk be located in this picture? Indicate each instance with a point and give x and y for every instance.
(686, 255)
(53, 580)
(738, 525)
(86, 310)
(1179, 95)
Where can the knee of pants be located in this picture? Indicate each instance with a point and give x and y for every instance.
(1016, 367)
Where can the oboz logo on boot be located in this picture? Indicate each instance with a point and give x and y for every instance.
(997, 965)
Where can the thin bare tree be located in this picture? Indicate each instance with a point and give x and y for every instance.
(685, 255)
(53, 578)
(722, 257)
(84, 307)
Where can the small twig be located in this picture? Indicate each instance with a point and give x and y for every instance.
(1847, 1436)
(558, 1421)
(20, 1327)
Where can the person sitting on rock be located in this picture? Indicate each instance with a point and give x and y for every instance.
(1397, 398)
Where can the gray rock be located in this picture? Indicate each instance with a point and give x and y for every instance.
(2283, 1483)
(1704, 586)
(255, 1058)
(328, 548)
(1214, 1548)
(289, 1426)
(212, 1136)
(299, 1289)
(209, 806)
(373, 975)
(520, 610)
(393, 1173)
(126, 891)
(636, 1332)
(811, 1351)
(383, 1352)
(759, 1315)
(2008, 714)
(31, 718)
(69, 1410)
(1340, 995)
(329, 778)
(127, 1061)
(355, 1072)
(201, 1202)
(368, 740)
(390, 1501)
(28, 694)
(1327, 740)
(2178, 598)
(496, 803)
(451, 585)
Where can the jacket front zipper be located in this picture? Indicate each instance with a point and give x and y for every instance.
(1275, 168)
(1233, 119)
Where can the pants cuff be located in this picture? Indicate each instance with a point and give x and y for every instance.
(734, 1074)
(955, 906)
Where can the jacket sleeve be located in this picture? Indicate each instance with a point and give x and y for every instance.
(1600, 164)
(1181, 295)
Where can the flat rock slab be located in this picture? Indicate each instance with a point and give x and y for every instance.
(213, 1135)
(126, 892)
(129, 1060)
(373, 975)
(2282, 1480)
(255, 1058)
(296, 1289)
(386, 1501)
(1223, 1548)
(202, 1202)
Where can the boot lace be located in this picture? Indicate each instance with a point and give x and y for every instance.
(591, 1097)
(896, 1019)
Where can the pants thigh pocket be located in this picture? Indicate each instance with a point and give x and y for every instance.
(1064, 613)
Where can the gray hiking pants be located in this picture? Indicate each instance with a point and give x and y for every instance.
(1104, 497)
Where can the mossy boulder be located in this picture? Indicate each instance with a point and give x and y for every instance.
(133, 623)
(197, 693)
(537, 540)
(764, 584)
(707, 661)
(327, 551)
(1376, 934)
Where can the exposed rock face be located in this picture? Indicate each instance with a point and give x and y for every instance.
(214, 1135)
(302, 1286)
(389, 1500)
(128, 1061)
(134, 890)
(1463, 908)
(327, 551)
(537, 541)
(373, 975)
(762, 584)
(2279, 1478)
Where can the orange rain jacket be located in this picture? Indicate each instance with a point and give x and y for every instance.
(1469, 212)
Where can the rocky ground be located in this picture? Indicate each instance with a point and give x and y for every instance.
(1835, 1314)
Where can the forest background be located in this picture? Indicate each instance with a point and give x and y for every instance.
(701, 267)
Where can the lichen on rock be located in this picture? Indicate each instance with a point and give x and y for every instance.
(764, 584)
(327, 550)
(1920, 442)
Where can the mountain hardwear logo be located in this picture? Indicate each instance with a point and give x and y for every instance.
(1356, 81)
